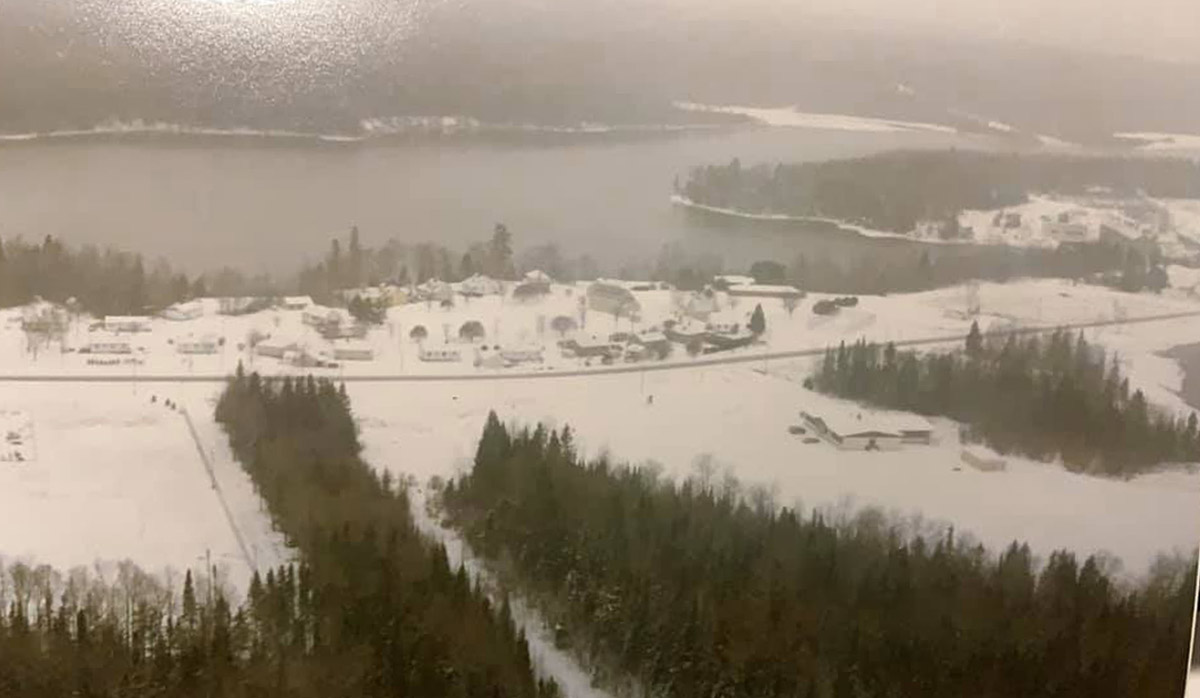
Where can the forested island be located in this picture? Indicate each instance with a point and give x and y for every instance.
(896, 190)
(700, 589)
(1046, 397)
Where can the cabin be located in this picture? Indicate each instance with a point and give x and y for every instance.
(655, 342)
(765, 291)
(204, 344)
(439, 353)
(530, 353)
(353, 351)
(686, 331)
(126, 323)
(181, 312)
(275, 348)
(730, 280)
(108, 345)
(296, 302)
(586, 346)
(320, 316)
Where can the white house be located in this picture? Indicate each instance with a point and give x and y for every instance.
(538, 276)
(127, 323)
(440, 353)
(851, 427)
(296, 302)
(204, 344)
(184, 311)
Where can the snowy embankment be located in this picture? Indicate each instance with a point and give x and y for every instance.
(1156, 141)
(114, 476)
(793, 117)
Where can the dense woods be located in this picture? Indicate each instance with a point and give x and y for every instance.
(893, 191)
(696, 590)
(382, 612)
(1050, 396)
(108, 281)
(372, 609)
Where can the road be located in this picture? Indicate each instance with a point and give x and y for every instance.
(601, 370)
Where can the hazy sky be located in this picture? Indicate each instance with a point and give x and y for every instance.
(1164, 29)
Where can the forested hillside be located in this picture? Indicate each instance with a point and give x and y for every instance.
(1046, 397)
(383, 614)
(893, 191)
(697, 590)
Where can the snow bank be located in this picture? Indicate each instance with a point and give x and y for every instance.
(793, 117)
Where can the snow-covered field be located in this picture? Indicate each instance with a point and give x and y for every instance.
(739, 416)
(118, 477)
(16, 430)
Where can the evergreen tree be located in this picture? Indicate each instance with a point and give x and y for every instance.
(758, 321)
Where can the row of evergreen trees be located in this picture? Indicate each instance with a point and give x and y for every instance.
(108, 281)
(693, 590)
(1051, 396)
(378, 610)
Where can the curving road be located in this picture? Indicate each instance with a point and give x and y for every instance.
(601, 370)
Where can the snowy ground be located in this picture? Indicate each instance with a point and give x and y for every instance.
(17, 444)
(790, 116)
(739, 416)
(1163, 141)
(117, 477)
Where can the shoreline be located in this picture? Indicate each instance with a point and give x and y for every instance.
(368, 133)
(684, 202)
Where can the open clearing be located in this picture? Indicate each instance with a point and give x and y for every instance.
(117, 477)
(739, 415)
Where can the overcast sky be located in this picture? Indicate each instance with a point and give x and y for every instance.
(1163, 29)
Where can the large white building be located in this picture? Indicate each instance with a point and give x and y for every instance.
(853, 428)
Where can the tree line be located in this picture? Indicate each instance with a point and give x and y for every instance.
(695, 589)
(108, 281)
(1046, 397)
(894, 191)
(385, 613)
(371, 608)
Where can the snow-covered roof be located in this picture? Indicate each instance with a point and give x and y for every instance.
(651, 337)
(537, 275)
(765, 289)
(735, 280)
(849, 419)
(298, 300)
(126, 318)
